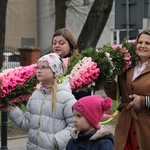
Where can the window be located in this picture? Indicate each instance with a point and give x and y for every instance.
(14, 58)
(118, 35)
(27, 42)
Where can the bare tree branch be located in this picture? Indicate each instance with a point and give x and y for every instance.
(94, 24)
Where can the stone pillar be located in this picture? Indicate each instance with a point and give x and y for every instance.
(29, 55)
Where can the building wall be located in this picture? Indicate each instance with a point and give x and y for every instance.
(21, 22)
(36, 19)
(45, 22)
(74, 21)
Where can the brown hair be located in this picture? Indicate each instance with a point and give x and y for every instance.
(146, 31)
(70, 38)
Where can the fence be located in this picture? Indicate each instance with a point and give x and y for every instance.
(10, 49)
(12, 58)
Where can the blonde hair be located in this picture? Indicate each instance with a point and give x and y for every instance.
(54, 94)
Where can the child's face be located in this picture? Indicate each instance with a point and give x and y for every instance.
(80, 123)
(44, 73)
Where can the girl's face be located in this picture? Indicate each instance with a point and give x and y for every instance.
(44, 73)
(60, 46)
(143, 47)
(80, 123)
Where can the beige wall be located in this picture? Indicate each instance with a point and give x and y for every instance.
(20, 21)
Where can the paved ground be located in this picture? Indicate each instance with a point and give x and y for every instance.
(17, 143)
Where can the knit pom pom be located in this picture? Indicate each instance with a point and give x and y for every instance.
(106, 104)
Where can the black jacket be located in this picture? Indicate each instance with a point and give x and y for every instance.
(93, 141)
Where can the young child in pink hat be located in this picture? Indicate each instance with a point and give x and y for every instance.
(88, 133)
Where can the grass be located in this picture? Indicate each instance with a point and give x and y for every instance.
(12, 129)
(112, 111)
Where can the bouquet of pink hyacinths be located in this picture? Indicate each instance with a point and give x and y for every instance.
(13, 80)
(83, 73)
(89, 70)
(93, 67)
(125, 56)
(119, 58)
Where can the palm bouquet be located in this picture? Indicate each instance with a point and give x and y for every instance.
(93, 67)
(17, 84)
(87, 71)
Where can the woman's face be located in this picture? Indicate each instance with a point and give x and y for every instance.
(60, 46)
(143, 47)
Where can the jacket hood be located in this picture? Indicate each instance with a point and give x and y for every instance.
(101, 132)
(65, 85)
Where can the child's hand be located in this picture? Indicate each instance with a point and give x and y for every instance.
(6, 108)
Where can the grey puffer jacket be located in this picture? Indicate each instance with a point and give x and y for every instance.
(47, 129)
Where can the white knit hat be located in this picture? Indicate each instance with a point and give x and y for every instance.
(56, 64)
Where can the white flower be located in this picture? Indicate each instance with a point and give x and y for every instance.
(108, 56)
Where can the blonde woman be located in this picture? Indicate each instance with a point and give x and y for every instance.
(49, 118)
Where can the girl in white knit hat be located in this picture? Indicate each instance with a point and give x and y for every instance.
(49, 118)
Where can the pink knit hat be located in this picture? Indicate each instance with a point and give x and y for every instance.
(93, 108)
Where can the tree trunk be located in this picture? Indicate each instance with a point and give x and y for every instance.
(60, 14)
(3, 7)
(94, 24)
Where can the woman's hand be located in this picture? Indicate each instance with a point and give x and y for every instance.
(138, 102)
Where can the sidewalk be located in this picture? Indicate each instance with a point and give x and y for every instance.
(17, 143)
